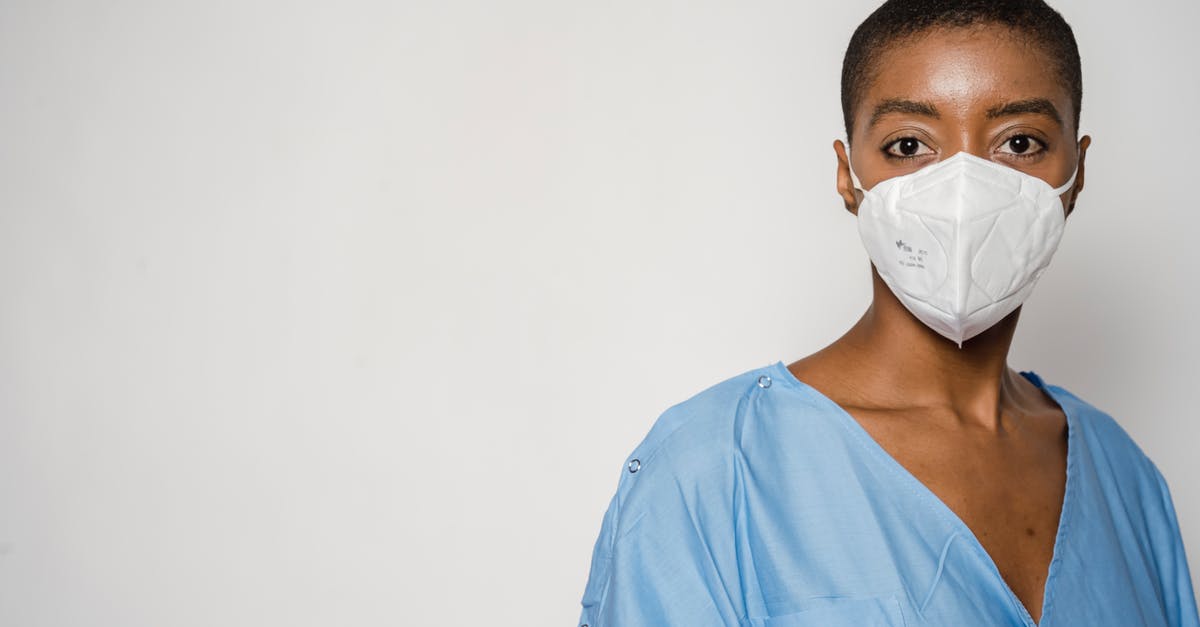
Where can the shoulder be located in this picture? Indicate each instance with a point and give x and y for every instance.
(691, 443)
(1114, 459)
(1102, 434)
(672, 517)
(700, 426)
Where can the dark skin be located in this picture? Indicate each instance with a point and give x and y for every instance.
(982, 438)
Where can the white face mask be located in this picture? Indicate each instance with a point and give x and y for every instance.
(961, 242)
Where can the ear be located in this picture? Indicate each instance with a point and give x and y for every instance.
(851, 196)
(1084, 142)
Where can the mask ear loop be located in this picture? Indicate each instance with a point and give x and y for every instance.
(1059, 191)
(854, 177)
(1066, 187)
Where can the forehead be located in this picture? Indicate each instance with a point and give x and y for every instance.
(963, 71)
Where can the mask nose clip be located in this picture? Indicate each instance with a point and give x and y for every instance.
(1058, 191)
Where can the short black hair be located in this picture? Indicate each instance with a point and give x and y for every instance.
(897, 20)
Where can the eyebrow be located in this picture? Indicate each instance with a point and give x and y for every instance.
(1030, 105)
(1040, 106)
(899, 105)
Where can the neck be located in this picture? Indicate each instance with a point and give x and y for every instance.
(897, 361)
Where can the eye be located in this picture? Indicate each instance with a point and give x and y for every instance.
(906, 148)
(1022, 146)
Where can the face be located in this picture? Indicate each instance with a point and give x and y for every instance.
(978, 90)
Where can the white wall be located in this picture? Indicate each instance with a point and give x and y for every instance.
(347, 313)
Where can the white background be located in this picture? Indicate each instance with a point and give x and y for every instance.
(348, 313)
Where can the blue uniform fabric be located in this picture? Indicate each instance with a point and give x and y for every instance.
(760, 502)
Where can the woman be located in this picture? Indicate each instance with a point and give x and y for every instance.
(904, 475)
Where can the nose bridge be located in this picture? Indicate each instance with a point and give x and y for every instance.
(966, 139)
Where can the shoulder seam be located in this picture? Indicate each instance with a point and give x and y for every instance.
(648, 454)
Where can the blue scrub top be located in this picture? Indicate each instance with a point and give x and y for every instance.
(761, 502)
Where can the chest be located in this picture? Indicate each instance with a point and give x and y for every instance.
(842, 508)
(1006, 488)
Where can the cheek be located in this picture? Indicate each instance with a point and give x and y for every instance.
(1068, 199)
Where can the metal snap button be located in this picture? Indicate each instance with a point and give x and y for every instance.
(764, 382)
(635, 465)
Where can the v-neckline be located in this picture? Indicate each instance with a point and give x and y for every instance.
(865, 438)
